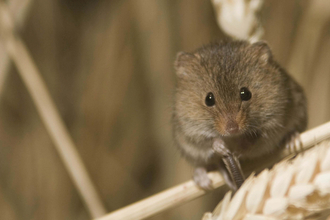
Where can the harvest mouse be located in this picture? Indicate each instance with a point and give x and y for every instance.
(233, 97)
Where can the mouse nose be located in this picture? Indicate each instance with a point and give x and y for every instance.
(232, 127)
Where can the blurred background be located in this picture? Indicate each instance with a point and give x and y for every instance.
(108, 65)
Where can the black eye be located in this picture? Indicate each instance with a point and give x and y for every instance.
(209, 100)
(245, 94)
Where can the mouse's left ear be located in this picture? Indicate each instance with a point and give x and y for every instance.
(263, 51)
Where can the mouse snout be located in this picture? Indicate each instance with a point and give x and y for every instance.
(232, 127)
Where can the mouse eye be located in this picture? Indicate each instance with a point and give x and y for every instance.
(209, 100)
(245, 94)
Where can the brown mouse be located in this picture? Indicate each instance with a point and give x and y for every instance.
(234, 97)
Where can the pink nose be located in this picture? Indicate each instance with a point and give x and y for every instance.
(232, 127)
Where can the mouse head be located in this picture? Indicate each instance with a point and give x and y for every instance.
(229, 88)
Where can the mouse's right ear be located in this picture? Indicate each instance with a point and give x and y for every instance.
(263, 51)
(183, 64)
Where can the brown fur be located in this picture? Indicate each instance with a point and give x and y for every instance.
(276, 110)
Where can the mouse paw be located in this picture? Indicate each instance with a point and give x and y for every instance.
(201, 179)
(293, 143)
(220, 148)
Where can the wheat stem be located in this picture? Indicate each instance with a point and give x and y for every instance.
(188, 191)
(49, 114)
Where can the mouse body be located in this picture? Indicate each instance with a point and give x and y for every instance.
(235, 96)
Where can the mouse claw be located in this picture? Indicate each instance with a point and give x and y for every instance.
(220, 148)
(293, 143)
(202, 180)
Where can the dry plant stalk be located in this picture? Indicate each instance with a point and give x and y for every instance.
(296, 189)
(19, 10)
(47, 110)
(164, 200)
(238, 18)
(188, 191)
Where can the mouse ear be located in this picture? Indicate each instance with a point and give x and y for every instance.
(263, 51)
(183, 63)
